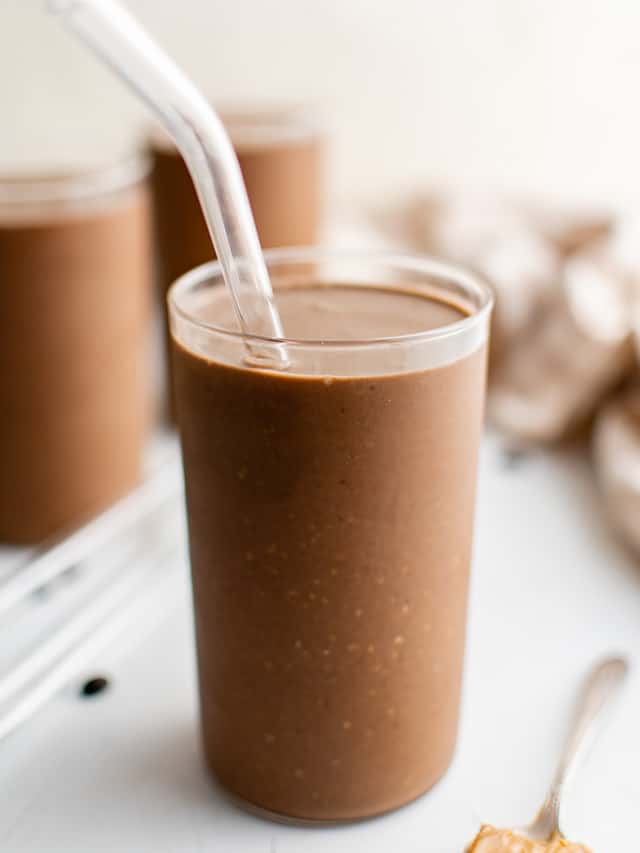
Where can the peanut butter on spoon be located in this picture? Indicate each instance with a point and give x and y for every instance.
(491, 840)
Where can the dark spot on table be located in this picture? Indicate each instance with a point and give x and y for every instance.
(94, 686)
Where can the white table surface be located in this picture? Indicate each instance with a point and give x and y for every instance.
(551, 591)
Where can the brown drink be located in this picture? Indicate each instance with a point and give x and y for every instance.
(330, 516)
(281, 161)
(74, 391)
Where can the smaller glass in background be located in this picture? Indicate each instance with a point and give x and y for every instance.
(281, 154)
(75, 389)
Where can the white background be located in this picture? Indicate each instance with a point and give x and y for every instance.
(537, 95)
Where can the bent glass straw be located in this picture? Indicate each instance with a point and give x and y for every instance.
(114, 35)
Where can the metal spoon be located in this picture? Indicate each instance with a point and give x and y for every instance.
(602, 685)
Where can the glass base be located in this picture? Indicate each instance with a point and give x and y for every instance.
(319, 823)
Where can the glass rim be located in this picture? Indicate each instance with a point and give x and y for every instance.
(93, 181)
(407, 261)
(257, 125)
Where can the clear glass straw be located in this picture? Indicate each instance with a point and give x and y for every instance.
(116, 37)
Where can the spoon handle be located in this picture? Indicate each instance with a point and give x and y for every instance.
(602, 685)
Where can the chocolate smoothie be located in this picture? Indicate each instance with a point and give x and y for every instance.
(330, 520)
(74, 299)
(281, 161)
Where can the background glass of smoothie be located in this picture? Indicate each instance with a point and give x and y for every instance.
(330, 511)
(75, 287)
(281, 154)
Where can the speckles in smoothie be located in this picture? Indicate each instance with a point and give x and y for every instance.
(269, 738)
(298, 773)
(374, 587)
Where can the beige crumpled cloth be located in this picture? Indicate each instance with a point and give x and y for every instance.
(566, 326)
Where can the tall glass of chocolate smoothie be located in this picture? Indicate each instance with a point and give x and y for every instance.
(330, 510)
(75, 287)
